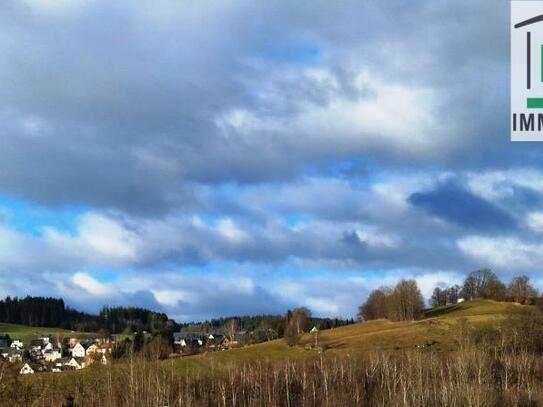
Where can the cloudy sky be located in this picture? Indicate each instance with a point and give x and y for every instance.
(249, 156)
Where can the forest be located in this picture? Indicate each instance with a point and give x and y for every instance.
(53, 312)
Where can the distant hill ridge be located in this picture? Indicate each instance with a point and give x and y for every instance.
(53, 312)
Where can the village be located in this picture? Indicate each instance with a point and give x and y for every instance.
(55, 354)
(48, 354)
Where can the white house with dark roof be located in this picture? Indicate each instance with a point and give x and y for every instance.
(78, 351)
(17, 343)
(52, 354)
(75, 363)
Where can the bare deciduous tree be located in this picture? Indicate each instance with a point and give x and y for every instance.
(483, 284)
(404, 302)
(296, 324)
(230, 328)
(520, 290)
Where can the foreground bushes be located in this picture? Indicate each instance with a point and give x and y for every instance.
(466, 378)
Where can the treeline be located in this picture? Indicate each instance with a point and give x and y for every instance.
(133, 319)
(265, 323)
(399, 303)
(52, 312)
(486, 284)
(405, 302)
(43, 311)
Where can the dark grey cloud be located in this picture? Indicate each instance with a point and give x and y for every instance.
(453, 203)
(116, 105)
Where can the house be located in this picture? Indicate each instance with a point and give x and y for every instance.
(51, 355)
(75, 363)
(78, 351)
(44, 340)
(16, 343)
(61, 362)
(35, 345)
(48, 346)
(188, 336)
(14, 355)
(189, 339)
(214, 341)
(67, 363)
(26, 369)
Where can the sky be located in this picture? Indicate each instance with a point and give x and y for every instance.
(221, 158)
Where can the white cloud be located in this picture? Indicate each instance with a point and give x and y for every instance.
(97, 238)
(230, 230)
(93, 286)
(509, 253)
(376, 238)
(383, 116)
(107, 237)
(534, 221)
(322, 306)
(171, 297)
(499, 184)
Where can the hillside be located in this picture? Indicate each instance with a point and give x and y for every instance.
(26, 333)
(210, 374)
(435, 331)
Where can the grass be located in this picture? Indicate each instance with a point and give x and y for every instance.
(470, 309)
(436, 331)
(274, 361)
(27, 333)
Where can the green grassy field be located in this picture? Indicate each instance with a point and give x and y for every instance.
(27, 333)
(476, 308)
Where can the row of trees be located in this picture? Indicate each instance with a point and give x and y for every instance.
(43, 311)
(120, 319)
(486, 284)
(262, 323)
(52, 312)
(405, 302)
(400, 303)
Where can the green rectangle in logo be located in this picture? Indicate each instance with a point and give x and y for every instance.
(535, 103)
